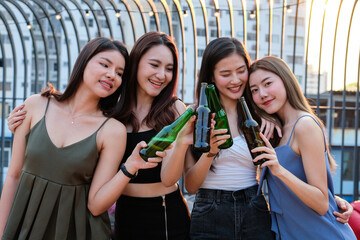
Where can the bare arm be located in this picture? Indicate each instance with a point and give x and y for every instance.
(16, 164)
(108, 183)
(310, 140)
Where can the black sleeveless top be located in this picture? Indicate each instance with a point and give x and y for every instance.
(151, 175)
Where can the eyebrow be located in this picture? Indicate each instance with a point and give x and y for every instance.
(109, 61)
(222, 71)
(158, 61)
(261, 81)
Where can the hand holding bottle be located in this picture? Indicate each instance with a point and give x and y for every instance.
(135, 161)
(217, 138)
(268, 152)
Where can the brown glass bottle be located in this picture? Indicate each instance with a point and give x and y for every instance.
(251, 131)
(202, 124)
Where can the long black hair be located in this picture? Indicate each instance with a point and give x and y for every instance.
(108, 105)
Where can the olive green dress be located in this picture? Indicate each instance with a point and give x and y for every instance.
(51, 199)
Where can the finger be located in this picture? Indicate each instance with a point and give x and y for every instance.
(266, 141)
(262, 125)
(149, 165)
(160, 154)
(270, 130)
(154, 160)
(266, 129)
(220, 131)
(278, 129)
(263, 149)
(18, 108)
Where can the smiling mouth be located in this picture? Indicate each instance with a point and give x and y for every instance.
(267, 102)
(235, 89)
(107, 84)
(156, 83)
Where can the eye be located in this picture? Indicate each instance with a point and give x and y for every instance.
(268, 83)
(119, 74)
(104, 65)
(154, 65)
(253, 91)
(169, 69)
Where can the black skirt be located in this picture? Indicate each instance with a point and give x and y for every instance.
(161, 218)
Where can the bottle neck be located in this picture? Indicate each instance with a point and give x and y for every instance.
(245, 110)
(214, 101)
(203, 101)
(182, 120)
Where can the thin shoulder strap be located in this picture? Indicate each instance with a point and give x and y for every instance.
(47, 105)
(316, 123)
(102, 124)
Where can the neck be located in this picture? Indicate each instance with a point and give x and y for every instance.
(82, 104)
(288, 114)
(229, 105)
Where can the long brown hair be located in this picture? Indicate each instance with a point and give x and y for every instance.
(294, 94)
(215, 51)
(162, 111)
(109, 105)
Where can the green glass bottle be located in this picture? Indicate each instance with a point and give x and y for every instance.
(251, 131)
(203, 123)
(220, 114)
(166, 136)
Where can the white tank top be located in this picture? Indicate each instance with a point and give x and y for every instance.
(233, 168)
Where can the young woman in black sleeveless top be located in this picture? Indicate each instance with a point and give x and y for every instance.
(147, 208)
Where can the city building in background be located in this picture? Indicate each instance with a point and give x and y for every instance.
(319, 39)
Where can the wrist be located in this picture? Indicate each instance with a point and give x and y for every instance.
(128, 172)
(211, 155)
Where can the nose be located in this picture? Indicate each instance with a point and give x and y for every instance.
(160, 74)
(235, 78)
(111, 73)
(262, 92)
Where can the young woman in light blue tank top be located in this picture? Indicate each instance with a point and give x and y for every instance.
(301, 192)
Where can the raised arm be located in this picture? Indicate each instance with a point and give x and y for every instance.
(108, 183)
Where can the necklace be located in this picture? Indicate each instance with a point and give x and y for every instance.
(80, 115)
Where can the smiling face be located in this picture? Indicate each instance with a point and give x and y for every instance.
(103, 73)
(267, 90)
(230, 76)
(155, 70)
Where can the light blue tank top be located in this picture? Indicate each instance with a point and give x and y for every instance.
(291, 218)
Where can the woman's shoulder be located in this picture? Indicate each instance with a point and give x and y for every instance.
(180, 106)
(114, 127)
(308, 131)
(35, 102)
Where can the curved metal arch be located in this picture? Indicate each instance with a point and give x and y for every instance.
(295, 34)
(216, 4)
(66, 40)
(43, 37)
(193, 17)
(106, 17)
(231, 16)
(168, 16)
(128, 9)
(83, 18)
(283, 30)
(72, 21)
(206, 26)
(244, 20)
(3, 54)
(13, 51)
(270, 26)
(141, 10)
(56, 43)
(307, 46)
(9, 10)
(119, 19)
(95, 16)
(356, 183)
(332, 71)
(257, 6)
(156, 14)
(179, 10)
